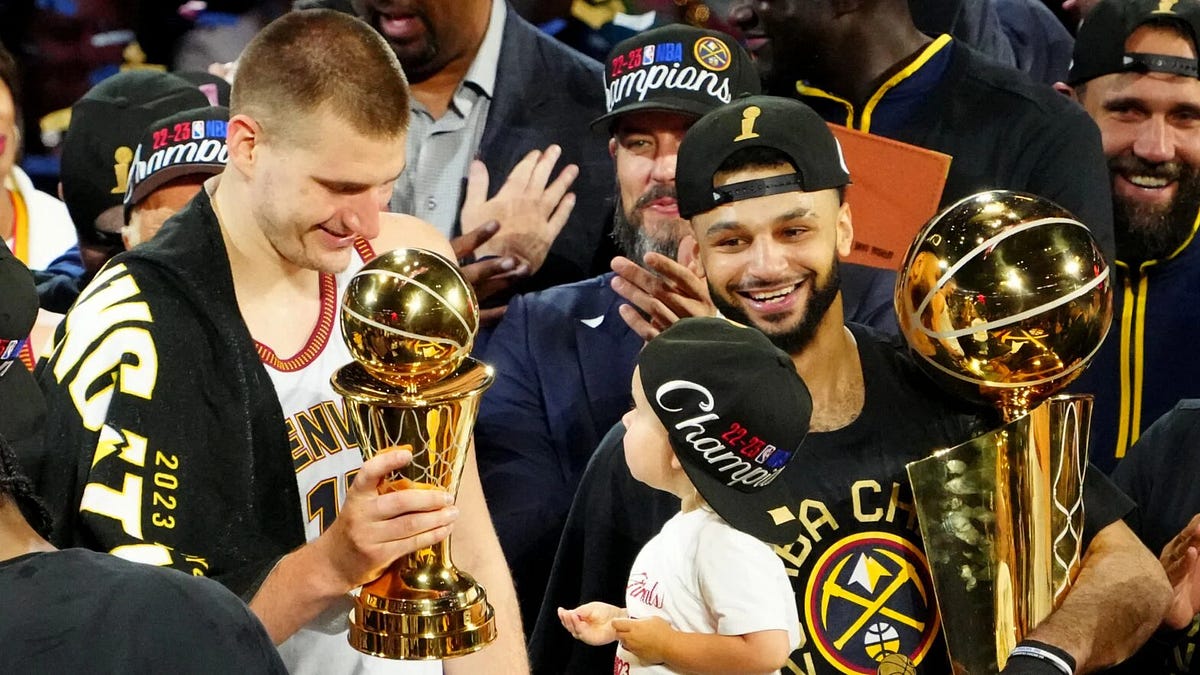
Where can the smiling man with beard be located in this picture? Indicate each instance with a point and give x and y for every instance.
(1135, 72)
(761, 180)
(563, 356)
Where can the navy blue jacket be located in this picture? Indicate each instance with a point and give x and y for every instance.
(549, 93)
(1147, 363)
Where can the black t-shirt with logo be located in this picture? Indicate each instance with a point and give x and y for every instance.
(862, 583)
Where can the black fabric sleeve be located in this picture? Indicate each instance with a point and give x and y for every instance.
(1103, 503)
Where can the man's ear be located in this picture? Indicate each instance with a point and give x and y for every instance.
(689, 255)
(612, 147)
(845, 230)
(675, 464)
(243, 136)
(1066, 90)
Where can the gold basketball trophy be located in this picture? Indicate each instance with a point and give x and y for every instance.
(409, 319)
(1004, 297)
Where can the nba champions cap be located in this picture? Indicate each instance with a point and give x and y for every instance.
(735, 412)
(1100, 41)
(184, 144)
(676, 68)
(105, 127)
(756, 121)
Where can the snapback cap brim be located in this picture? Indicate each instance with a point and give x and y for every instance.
(603, 123)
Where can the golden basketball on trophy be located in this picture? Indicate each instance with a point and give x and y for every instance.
(1004, 297)
(409, 319)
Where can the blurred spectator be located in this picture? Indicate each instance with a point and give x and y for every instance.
(35, 226)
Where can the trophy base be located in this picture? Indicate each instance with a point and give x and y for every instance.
(424, 634)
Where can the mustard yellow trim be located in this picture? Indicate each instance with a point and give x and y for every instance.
(1139, 344)
(905, 72)
(596, 15)
(20, 226)
(1134, 319)
(1123, 356)
(1191, 236)
(806, 90)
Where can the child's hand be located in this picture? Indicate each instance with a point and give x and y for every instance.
(592, 622)
(647, 638)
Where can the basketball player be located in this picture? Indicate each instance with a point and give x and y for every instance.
(763, 194)
(190, 389)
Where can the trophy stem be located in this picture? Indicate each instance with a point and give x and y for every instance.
(1002, 520)
(422, 607)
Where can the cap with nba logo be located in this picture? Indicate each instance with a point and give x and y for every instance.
(188, 143)
(1100, 41)
(105, 126)
(675, 68)
(782, 124)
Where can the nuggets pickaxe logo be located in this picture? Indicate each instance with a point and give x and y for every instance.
(870, 595)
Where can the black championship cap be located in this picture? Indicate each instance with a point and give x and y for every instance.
(1100, 41)
(735, 412)
(184, 144)
(106, 125)
(22, 408)
(675, 68)
(784, 124)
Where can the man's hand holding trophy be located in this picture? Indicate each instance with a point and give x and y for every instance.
(410, 319)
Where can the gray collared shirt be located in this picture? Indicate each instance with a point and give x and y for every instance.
(440, 151)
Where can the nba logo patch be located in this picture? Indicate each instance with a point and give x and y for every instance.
(713, 54)
(197, 130)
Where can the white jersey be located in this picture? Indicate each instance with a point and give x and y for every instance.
(704, 576)
(326, 457)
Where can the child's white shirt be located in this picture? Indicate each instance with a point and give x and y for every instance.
(704, 576)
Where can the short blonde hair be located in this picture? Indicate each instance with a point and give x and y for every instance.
(312, 59)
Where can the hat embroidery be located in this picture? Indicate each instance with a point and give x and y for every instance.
(714, 451)
(122, 156)
(631, 79)
(714, 55)
(199, 141)
(749, 117)
(647, 55)
(1166, 7)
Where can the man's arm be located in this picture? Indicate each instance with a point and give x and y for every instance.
(1117, 602)
(371, 531)
(477, 552)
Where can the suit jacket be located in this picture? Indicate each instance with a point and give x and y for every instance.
(564, 360)
(549, 93)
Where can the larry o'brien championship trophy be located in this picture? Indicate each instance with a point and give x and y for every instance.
(1004, 297)
(409, 319)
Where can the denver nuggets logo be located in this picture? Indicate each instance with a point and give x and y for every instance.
(713, 54)
(869, 603)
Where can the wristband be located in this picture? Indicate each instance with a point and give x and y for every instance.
(1032, 656)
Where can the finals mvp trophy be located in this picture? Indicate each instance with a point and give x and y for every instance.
(1004, 297)
(409, 319)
